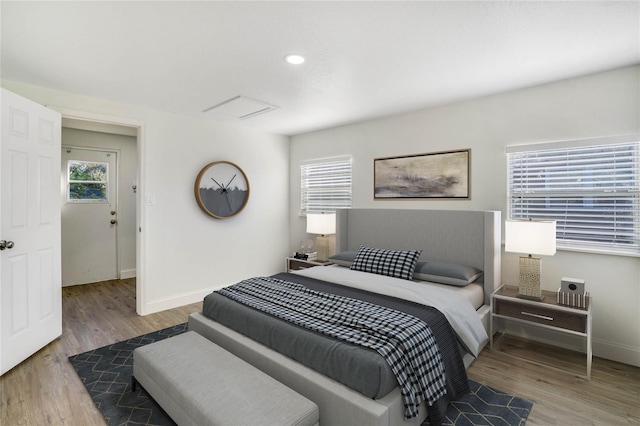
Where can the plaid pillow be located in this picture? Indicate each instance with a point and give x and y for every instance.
(393, 263)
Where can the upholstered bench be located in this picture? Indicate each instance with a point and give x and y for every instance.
(198, 383)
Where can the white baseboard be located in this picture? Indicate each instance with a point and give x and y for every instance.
(176, 301)
(127, 273)
(616, 352)
(601, 348)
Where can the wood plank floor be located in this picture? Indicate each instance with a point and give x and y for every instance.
(45, 389)
(611, 397)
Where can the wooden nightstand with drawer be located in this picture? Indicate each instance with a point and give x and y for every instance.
(507, 307)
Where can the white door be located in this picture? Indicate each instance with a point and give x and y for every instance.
(89, 216)
(30, 286)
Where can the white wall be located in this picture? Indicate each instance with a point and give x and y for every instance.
(127, 170)
(186, 253)
(598, 105)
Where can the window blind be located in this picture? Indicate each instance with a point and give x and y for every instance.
(593, 192)
(326, 184)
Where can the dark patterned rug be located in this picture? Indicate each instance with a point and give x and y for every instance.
(106, 373)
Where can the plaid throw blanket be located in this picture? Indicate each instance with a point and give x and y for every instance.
(404, 341)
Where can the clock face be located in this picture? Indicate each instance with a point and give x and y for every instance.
(222, 189)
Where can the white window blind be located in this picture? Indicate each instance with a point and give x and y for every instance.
(592, 191)
(326, 184)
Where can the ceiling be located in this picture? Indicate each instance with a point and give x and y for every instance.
(363, 59)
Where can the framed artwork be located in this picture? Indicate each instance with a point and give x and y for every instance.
(436, 175)
(221, 189)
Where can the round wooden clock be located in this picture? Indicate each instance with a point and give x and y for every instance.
(222, 189)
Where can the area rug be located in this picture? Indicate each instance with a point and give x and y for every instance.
(106, 373)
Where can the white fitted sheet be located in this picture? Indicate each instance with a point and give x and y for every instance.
(474, 293)
(453, 302)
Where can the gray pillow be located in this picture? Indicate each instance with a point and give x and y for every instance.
(344, 258)
(392, 263)
(446, 273)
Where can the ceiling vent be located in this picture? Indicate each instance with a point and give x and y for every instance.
(241, 107)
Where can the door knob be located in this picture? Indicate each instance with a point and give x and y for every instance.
(113, 221)
(6, 245)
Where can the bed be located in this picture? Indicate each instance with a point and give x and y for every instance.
(462, 237)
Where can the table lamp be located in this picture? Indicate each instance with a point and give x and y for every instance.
(531, 237)
(322, 224)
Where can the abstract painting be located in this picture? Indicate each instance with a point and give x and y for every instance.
(434, 175)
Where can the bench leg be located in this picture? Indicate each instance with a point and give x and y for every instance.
(134, 383)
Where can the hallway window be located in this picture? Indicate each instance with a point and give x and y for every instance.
(87, 181)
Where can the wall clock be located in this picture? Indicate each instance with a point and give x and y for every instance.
(222, 189)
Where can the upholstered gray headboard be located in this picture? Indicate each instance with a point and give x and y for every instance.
(460, 236)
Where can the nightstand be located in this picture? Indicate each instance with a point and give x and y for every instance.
(507, 307)
(293, 264)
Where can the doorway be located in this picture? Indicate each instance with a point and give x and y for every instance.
(99, 204)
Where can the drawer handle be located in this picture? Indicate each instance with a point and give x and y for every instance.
(537, 316)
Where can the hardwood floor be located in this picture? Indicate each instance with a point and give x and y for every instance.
(45, 389)
(611, 397)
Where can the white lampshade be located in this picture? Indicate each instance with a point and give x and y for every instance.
(536, 237)
(321, 223)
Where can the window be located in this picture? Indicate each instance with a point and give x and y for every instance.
(326, 184)
(87, 181)
(591, 188)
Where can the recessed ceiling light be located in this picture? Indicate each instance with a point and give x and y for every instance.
(294, 59)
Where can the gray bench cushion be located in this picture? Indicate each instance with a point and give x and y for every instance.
(198, 383)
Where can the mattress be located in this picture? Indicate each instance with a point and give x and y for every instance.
(474, 293)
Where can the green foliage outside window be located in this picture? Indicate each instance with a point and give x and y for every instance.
(87, 181)
(96, 172)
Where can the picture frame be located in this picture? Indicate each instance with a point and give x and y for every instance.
(434, 175)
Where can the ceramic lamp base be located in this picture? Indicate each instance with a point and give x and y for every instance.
(323, 248)
(529, 287)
